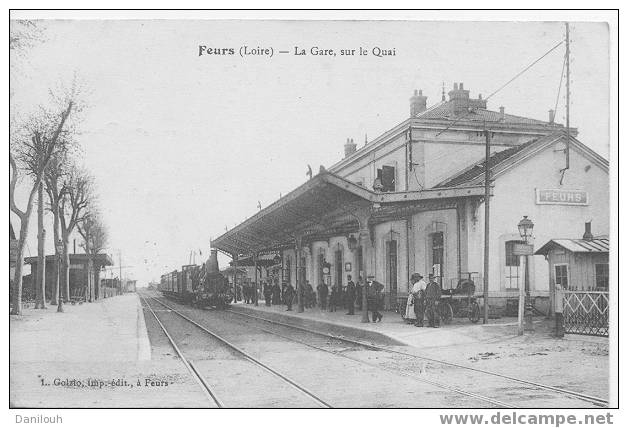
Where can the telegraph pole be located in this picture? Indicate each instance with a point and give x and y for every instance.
(487, 196)
(120, 260)
(567, 53)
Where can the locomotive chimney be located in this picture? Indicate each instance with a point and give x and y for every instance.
(212, 263)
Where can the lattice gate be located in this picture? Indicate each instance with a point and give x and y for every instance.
(586, 312)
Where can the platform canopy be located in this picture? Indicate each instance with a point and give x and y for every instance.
(326, 206)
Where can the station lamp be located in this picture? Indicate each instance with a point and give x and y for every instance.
(525, 231)
(525, 228)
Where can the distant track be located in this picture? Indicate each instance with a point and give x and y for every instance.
(588, 398)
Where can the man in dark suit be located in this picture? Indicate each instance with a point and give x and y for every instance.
(432, 298)
(350, 296)
(288, 295)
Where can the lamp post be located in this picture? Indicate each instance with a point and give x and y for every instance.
(525, 231)
(59, 250)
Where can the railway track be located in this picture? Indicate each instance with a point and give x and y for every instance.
(437, 384)
(189, 365)
(196, 374)
(597, 401)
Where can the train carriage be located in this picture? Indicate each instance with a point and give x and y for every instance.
(198, 285)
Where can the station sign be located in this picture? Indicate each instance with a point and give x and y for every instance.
(521, 249)
(561, 197)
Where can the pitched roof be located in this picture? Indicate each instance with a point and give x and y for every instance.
(444, 111)
(477, 170)
(597, 245)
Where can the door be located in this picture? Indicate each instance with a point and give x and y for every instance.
(391, 271)
(338, 268)
(438, 256)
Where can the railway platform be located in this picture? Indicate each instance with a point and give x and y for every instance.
(110, 329)
(392, 330)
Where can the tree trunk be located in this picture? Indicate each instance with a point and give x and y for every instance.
(55, 290)
(19, 266)
(41, 250)
(65, 268)
(96, 282)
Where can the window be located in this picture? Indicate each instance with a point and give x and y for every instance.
(385, 181)
(287, 274)
(601, 276)
(561, 276)
(360, 262)
(513, 274)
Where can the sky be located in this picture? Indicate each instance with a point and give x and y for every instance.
(182, 146)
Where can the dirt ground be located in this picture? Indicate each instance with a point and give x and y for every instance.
(42, 377)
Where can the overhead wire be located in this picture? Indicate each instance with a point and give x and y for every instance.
(505, 84)
(560, 85)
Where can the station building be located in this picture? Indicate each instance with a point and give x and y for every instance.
(412, 200)
(84, 274)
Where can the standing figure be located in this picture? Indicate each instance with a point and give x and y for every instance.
(322, 295)
(359, 288)
(432, 297)
(350, 295)
(267, 293)
(276, 294)
(333, 299)
(288, 295)
(418, 297)
(307, 294)
(374, 294)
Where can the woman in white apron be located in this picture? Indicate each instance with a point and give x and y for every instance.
(409, 315)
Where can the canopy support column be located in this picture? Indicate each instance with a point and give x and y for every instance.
(366, 242)
(256, 278)
(235, 276)
(299, 277)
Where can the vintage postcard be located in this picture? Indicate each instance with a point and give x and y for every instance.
(367, 210)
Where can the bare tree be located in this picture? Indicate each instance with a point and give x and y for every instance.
(54, 176)
(32, 148)
(76, 195)
(94, 235)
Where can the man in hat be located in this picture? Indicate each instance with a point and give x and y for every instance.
(288, 295)
(418, 295)
(432, 297)
(350, 295)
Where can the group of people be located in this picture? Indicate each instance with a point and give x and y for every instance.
(327, 297)
(423, 301)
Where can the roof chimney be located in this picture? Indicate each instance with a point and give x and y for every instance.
(418, 103)
(588, 236)
(459, 99)
(551, 117)
(350, 147)
(502, 115)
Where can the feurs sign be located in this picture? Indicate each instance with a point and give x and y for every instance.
(561, 197)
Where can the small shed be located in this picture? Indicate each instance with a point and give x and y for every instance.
(578, 275)
(577, 264)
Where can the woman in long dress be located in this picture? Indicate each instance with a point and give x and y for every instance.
(410, 316)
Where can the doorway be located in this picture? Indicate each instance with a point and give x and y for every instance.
(391, 270)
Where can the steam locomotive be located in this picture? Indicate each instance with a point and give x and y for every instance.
(198, 285)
